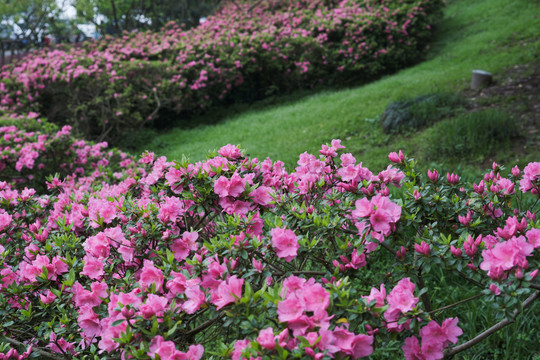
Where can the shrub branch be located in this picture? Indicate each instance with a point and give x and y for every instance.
(457, 349)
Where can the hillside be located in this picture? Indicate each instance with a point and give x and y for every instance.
(492, 35)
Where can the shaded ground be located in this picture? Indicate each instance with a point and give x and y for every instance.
(516, 91)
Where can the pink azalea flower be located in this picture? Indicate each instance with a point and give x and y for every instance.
(378, 295)
(506, 255)
(93, 267)
(108, 333)
(361, 346)
(230, 152)
(290, 309)
(261, 195)
(228, 292)
(382, 212)
(154, 305)
(285, 242)
(47, 298)
(402, 296)
(233, 187)
(5, 220)
(531, 174)
(422, 248)
(103, 209)
(395, 157)
(443, 334)
(533, 237)
(89, 321)
(316, 298)
(411, 349)
(266, 339)
(195, 298)
(151, 275)
(433, 177)
(165, 349)
(171, 209)
(183, 246)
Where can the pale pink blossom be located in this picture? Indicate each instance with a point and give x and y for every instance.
(285, 242)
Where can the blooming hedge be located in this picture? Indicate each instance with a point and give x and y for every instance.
(246, 51)
(237, 258)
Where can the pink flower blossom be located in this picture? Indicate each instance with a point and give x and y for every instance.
(402, 296)
(171, 209)
(396, 158)
(266, 338)
(151, 275)
(153, 306)
(533, 237)
(228, 292)
(183, 246)
(506, 255)
(230, 152)
(285, 242)
(531, 174)
(230, 187)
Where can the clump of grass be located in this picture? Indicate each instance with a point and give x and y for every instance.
(425, 110)
(478, 133)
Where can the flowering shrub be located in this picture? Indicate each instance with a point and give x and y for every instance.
(237, 258)
(245, 51)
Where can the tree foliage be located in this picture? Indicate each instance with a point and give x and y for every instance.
(27, 19)
(115, 16)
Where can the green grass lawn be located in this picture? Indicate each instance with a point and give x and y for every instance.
(481, 34)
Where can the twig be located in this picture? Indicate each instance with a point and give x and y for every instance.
(464, 276)
(314, 273)
(425, 297)
(151, 116)
(204, 325)
(34, 349)
(455, 304)
(387, 247)
(457, 349)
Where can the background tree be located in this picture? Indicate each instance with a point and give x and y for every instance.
(115, 16)
(24, 23)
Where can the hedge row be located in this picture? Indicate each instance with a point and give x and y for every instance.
(243, 52)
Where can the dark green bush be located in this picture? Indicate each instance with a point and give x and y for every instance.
(425, 110)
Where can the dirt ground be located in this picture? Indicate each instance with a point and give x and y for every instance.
(516, 91)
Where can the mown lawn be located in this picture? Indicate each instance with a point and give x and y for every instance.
(483, 34)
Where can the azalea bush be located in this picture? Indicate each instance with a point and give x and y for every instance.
(237, 258)
(246, 51)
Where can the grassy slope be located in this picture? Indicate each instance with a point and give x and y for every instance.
(480, 34)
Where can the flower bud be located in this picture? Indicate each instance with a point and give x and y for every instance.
(400, 254)
(433, 176)
(394, 157)
(455, 251)
(516, 172)
(452, 178)
(423, 248)
(494, 289)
